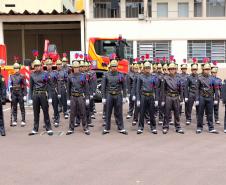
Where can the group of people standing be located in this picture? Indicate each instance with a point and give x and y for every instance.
(165, 91)
(156, 92)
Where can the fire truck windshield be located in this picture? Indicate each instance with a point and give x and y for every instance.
(105, 47)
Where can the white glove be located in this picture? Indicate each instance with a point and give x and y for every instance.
(10, 97)
(138, 103)
(91, 97)
(87, 102)
(103, 100)
(50, 100)
(182, 103)
(163, 103)
(215, 102)
(30, 102)
(124, 100)
(59, 96)
(186, 100)
(156, 103)
(25, 98)
(197, 103)
(134, 98)
(68, 102)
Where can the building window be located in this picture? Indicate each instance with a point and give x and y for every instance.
(150, 8)
(134, 8)
(197, 8)
(214, 50)
(183, 9)
(215, 8)
(156, 49)
(106, 8)
(162, 9)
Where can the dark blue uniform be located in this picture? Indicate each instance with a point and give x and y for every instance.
(53, 92)
(2, 101)
(206, 95)
(147, 93)
(39, 82)
(172, 95)
(114, 84)
(18, 90)
(190, 93)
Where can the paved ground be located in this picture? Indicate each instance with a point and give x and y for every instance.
(114, 159)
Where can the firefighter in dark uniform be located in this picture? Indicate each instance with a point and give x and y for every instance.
(18, 94)
(93, 86)
(147, 97)
(160, 76)
(53, 91)
(171, 98)
(114, 83)
(130, 81)
(190, 91)
(223, 95)
(89, 82)
(39, 81)
(82, 69)
(2, 102)
(207, 97)
(218, 85)
(78, 98)
(62, 87)
(183, 78)
(133, 93)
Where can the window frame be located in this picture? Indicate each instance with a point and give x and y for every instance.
(162, 3)
(183, 3)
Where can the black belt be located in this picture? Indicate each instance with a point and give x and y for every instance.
(77, 94)
(172, 94)
(40, 92)
(147, 94)
(16, 88)
(206, 95)
(114, 93)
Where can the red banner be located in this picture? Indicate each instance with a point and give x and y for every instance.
(3, 60)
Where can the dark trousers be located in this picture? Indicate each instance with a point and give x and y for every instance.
(2, 127)
(172, 104)
(18, 98)
(147, 105)
(78, 109)
(88, 114)
(114, 102)
(136, 113)
(40, 101)
(131, 105)
(191, 101)
(225, 117)
(55, 104)
(63, 99)
(161, 112)
(104, 109)
(216, 111)
(205, 104)
(92, 106)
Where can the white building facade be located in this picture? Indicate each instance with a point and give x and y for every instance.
(183, 28)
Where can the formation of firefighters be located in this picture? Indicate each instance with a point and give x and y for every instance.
(156, 91)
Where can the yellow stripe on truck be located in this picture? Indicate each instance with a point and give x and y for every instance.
(96, 57)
